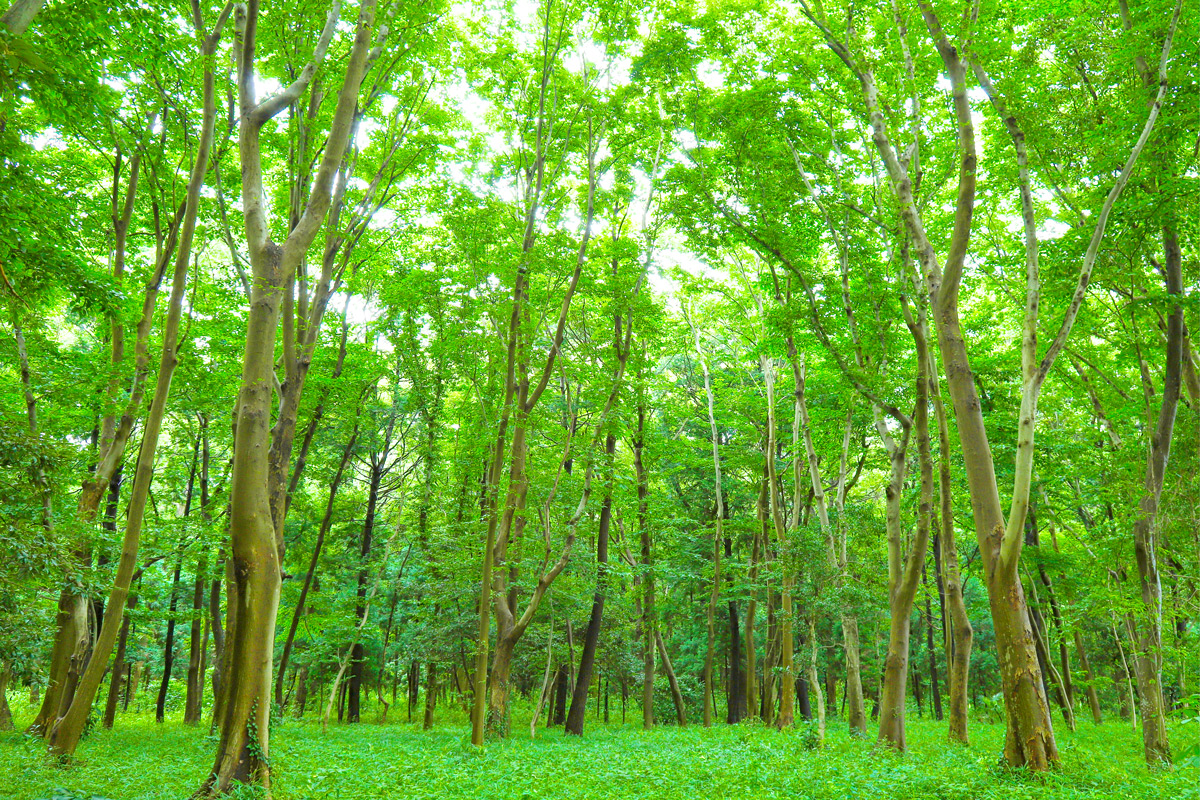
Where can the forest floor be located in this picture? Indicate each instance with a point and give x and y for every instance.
(140, 760)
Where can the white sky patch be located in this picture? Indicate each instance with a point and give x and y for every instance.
(1052, 229)
(710, 74)
(50, 137)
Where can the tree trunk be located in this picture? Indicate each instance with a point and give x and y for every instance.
(168, 647)
(649, 622)
(6, 723)
(934, 689)
(323, 531)
(431, 689)
(357, 656)
(1092, 695)
(737, 693)
(676, 697)
(120, 670)
(1148, 624)
(787, 681)
(587, 658)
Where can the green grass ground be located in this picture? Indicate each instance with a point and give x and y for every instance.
(142, 760)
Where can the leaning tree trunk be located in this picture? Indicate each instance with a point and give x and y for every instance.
(65, 735)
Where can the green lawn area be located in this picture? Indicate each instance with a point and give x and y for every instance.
(140, 759)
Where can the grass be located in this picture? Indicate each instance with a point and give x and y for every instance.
(142, 760)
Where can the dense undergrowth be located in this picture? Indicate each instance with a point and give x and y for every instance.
(142, 760)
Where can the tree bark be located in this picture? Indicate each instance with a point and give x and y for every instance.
(587, 658)
(242, 754)
(1148, 624)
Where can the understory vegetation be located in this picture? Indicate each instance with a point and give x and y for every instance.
(141, 760)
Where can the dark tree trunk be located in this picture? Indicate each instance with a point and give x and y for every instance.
(168, 647)
(737, 691)
(560, 695)
(934, 690)
(357, 658)
(587, 658)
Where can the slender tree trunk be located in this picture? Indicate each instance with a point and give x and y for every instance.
(6, 723)
(197, 640)
(65, 735)
(322, 532)
(587, 658)
(168, 647)
(676, 696)
(787, 681)
(761, 535)
(120, 670)
(357, 654)
(1092, 695)
(1148, 624)
(934, 689)
(737, 693)
(649, 622)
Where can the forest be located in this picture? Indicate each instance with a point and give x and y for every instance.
(567, 399)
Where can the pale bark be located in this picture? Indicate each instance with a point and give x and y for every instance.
(243, 750)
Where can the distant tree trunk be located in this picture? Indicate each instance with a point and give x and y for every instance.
(196, 640)
(802, 698)
(761, 535)
(1147, 627)
(814, 682)
(357, 657)
(787, 681)
(1092, 695)
(301, 690)
(737, 694)
(6, 723)
(322, 532)
(168, 647)
(431, 690)
(676, 697)
(934, 690)
(561, 690)
(587, 658)
(649, 622)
